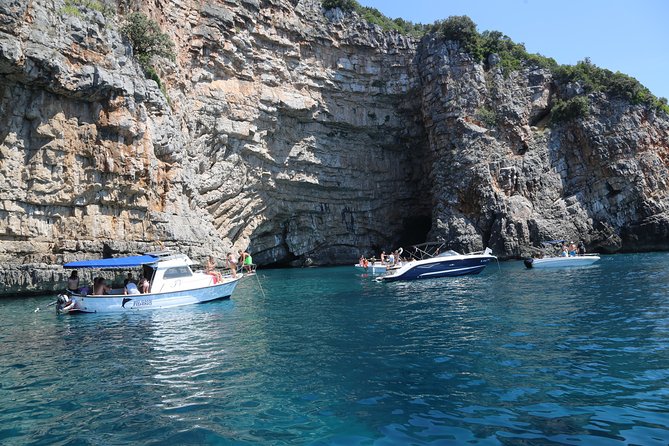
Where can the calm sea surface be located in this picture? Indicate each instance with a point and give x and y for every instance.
(327, 356)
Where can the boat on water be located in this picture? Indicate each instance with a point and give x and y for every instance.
(565, 258)
(561, 262)
(171, 283)
(430, 260)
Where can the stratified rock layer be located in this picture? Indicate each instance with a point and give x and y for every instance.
(302, 134)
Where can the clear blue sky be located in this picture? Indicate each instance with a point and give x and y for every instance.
(630, 36)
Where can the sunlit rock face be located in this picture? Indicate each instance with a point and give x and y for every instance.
(306, 136)
(507, 178)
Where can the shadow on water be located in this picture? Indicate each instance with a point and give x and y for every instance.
(330, 356)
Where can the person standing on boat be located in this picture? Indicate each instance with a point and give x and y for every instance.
(232, 264)
(246, 261)
(581, 248)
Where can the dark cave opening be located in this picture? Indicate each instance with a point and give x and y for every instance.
(414, 230)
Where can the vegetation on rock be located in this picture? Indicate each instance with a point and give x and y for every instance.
(513, 56)
(618, 85)
(147, 39)
(373, 15)
(576, 107)
(487, 117)
(73, 7)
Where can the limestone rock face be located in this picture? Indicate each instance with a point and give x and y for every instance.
(507, 180)
(306, 136)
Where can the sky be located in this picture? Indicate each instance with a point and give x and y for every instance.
(630, 36)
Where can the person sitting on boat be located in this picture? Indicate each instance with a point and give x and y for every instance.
(581, 248)
(100, 287)
(73, 282)
(211, 270)
(143, 285)
(563, 252)
(572, 249)
(129, 278)
(130, 287)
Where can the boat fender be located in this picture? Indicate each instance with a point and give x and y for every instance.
(528, 262)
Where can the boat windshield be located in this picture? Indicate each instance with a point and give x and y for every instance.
(448, 253)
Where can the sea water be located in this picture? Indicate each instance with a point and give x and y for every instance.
(329, 356)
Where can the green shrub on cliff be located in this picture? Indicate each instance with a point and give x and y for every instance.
(462, 29)
(73, 7)
(374, 16)
(487, 116)
(574, 108)
(512, 56)
(618, 85)
(147, 39)
(344, 5)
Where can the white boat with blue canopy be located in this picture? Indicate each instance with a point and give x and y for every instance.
(171, 283)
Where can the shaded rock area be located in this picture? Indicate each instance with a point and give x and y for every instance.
(305, 136)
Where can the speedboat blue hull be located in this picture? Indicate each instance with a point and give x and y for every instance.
(440, 267)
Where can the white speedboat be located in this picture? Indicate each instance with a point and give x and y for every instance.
(429, 262)
(172, 283)
(556, 254)
(562, 262)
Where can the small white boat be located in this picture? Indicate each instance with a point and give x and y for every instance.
(567, 259)
(562, 262)
(431, 262)
(172, 283)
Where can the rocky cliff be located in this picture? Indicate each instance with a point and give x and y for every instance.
(302, 134)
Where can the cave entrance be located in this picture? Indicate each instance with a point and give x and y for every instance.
(415, 230)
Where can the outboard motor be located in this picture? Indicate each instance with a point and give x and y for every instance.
(64, 303)
(528, 262)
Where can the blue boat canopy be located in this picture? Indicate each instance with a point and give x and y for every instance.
(113, 263)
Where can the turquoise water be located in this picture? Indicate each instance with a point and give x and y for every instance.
(327, 356)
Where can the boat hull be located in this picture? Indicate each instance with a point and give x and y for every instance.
(376, 268)
(561, 262)
(138, 302)
(441, 268)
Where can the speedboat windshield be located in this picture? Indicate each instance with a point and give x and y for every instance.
(448, 253)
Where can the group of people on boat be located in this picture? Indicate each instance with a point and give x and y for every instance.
(572, 250)
(232, 263)
(100, 286)
(389, 260)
